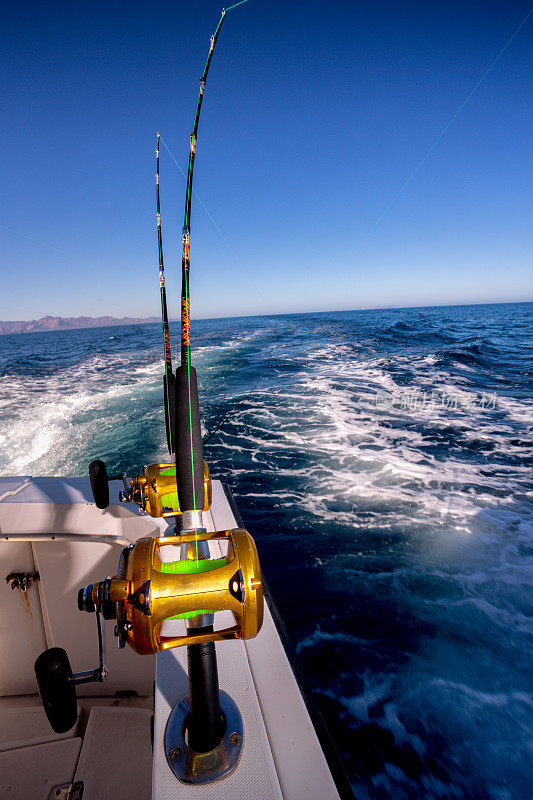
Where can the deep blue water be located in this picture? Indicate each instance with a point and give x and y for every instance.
(382, 460)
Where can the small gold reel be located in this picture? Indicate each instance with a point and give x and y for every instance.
(148, 591)
(155, 490)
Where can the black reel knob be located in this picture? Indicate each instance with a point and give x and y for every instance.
(85, 599)
(58, 693)
(99, 483)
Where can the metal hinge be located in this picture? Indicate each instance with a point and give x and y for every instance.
(22, 580)
(67, 791)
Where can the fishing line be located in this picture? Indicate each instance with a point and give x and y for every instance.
(452, 120)
(193, 191)
(233, 412)
(36, 241)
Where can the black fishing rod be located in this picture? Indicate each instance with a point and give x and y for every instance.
(206, 724)
(169, 380)
(188, 435)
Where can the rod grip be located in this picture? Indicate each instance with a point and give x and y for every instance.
(188, 441)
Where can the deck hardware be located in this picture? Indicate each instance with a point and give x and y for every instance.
(22, 580)
(77, 791)
(193, 767)
(67, 791)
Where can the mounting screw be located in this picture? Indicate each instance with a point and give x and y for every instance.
(235, 738)
(175, 754)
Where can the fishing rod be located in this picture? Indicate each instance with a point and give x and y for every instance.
(182, 413)
(187, 428)
(204, 694)
(186, 231)
(188, 433)
(169, 379)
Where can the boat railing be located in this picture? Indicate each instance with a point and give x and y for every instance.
(100, 538)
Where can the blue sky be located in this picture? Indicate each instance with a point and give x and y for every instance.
(315, 115)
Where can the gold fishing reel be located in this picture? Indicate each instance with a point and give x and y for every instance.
(155, 490)
(147, 591)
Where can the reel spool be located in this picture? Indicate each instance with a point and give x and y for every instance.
(148, 591)
(155, 490)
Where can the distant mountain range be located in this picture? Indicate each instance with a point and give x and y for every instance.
(69, 323)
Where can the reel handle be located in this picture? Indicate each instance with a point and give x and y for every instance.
(100, 482)
(57, 683)
(58, 693)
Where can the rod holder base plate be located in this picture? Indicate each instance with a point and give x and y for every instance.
(191, 767)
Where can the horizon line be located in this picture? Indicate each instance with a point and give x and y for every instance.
(144, 320)
(366, 308)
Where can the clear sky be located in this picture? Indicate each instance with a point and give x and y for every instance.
(315, 115)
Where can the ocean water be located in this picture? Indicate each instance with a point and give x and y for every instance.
(382, 460)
